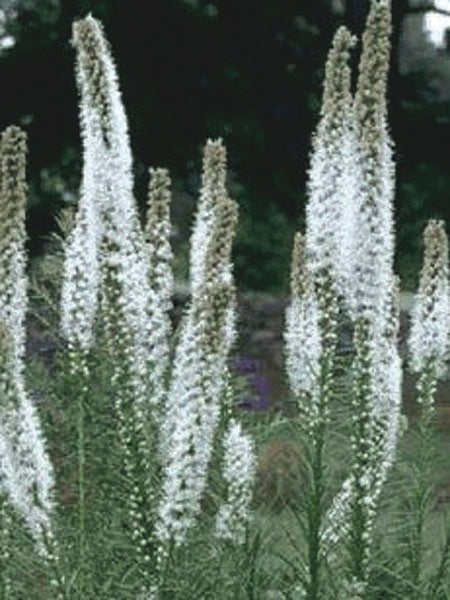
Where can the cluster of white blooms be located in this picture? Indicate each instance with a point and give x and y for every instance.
(331, 194)
(110, 267)
(199, 373)
(192, 414)
(349, 251)
(109, 259)
(320, 261)
(377, 414)
(239, 474)
(107, 234)
(212, 190)
(377, 370)
(302, 337)
(377, 365)
(374, 240)
(157, 237)
(26, 474)
(430, 317)
(388, 381)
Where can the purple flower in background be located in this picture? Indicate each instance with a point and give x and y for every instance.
(243, 364)
(257, 388)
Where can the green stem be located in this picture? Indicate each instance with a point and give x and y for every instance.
(426, 390)
(5, 542)
(79, 373)
(81, 496)
(57, 580)
(328, 329)
(315, 516)
(364, 442)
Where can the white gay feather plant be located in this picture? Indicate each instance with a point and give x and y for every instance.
(428, 348)
(199, 375)
(377, 367)
(115, 285)
(316, 277)
(26, 473)
(430, 327)
(332, 178)
(303, 344)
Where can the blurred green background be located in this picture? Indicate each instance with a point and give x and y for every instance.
(247, 70)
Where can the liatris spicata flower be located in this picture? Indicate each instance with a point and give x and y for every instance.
(157, 236)
(212, 189)
(430, 316)
(108, 180)
(373, 286)
(377, 367)
(429, 336)
(13, 283)
(332, 200)
(239, 474)
(120, 271)
(374, 242)
(26, 474)
(199, 375)
(193, 410)
(302, 337)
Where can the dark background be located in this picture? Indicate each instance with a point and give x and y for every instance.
(247, 70)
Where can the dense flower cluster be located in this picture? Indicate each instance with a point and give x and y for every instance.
(26, 474)
(173, 405)
(374, 239)
(302, 334)
(239, 474)
(13, 190)
(108, 272)
(199, 374)
(331, 205)
(430, 318)
(349, 253)
(212, 190)
(157, 237)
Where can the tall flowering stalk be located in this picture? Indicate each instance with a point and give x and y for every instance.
(374, 240)
(328, 202)
(428, 349)
(311, 320)
(349, 251)
(199, 373)
(310, 338)
(157, 236)
(333, 178)
(26, 474)
(429, 336)
(376, 394)
(373, 280)
(117, 280)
